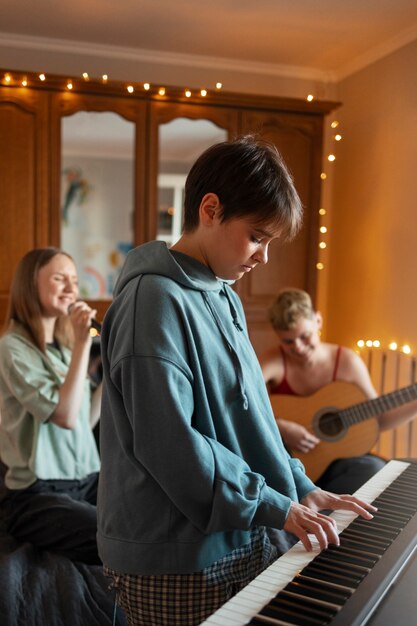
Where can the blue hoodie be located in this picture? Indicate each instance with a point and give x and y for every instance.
(192, 458)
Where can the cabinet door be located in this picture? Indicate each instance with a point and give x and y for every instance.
(179, 133)
(98, 186)
(24, 180)
(298, 137)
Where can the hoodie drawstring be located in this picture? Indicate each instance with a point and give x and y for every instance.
(235, 358)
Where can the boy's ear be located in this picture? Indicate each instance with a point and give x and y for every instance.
(209, 208)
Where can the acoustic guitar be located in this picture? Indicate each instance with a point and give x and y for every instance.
(341, 417)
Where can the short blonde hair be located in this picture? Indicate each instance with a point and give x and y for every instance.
(289, 307)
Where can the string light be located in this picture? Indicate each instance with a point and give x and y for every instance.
(323, 229)
(375, 343)
(320, 265)
(338, 137)
(322, 211)
(105, 78)
(146, 86)
(24, 82)
(69, 85)
(42, 77)
(187, 93)
(161, 91)
(323, 175)
(130, 88)
(7, 78)
(334, 124)
(331, 157)
(203, 92)
(219, 85)
(322, 245)
(310, 97)
(86, 76)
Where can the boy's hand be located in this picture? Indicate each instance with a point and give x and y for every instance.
(304, 518)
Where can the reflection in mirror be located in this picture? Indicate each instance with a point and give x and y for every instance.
(180, 143)
(97, 186)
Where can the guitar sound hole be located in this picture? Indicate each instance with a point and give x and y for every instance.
(330, 424)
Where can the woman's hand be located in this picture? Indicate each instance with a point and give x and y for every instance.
(296, 437)
(81, 315)
(305, 519)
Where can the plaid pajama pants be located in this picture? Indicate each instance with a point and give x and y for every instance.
(188, 599)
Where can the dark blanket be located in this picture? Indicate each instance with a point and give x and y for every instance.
(39, 588)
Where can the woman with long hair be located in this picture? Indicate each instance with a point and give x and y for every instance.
(48, 409)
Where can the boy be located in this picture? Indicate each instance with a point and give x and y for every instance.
(193, 466)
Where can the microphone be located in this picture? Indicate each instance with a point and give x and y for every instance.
(93, 322)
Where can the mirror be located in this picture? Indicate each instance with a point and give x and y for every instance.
(97, 197)
(181, 141)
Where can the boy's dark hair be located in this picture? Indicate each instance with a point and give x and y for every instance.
(250, 179)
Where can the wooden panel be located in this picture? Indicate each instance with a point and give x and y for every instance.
(391, 370)
(299, 139)
(23, 175)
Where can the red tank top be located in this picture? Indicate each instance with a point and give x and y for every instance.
(284, 388)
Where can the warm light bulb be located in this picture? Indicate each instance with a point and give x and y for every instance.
(24, 82)
(334, 124)
(86, 76)
(203, 92)
(310, 97)
(69, 85)
(320, 266)
(393, 345)
(161, 91)
(42, 77)
(322, 211)
(376, 343)
(368, 343)
(331, 157)
(322, 245)
(146, 86)
(187, 93)
(406, 349)
(219, 85)
(360, 343)
(323, 175)
(105, 78)
(130, 88)
(7, 78)
(323, 229)
(338, 137)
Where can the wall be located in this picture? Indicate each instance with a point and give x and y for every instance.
(165, 69)
(372, 273)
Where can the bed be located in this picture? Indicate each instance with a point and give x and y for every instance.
(40, 588)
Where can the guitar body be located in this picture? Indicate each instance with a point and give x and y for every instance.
(318, 414)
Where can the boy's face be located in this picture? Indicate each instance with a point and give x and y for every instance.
(238, 246)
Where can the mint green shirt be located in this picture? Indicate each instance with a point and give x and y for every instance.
(31, 446)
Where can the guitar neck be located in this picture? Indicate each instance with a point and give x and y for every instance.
(369, 408)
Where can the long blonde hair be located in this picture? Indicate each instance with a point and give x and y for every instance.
(24, 305)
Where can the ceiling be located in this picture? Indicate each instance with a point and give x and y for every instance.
(326, 35)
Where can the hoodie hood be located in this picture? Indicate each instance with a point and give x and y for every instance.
(155, 258)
